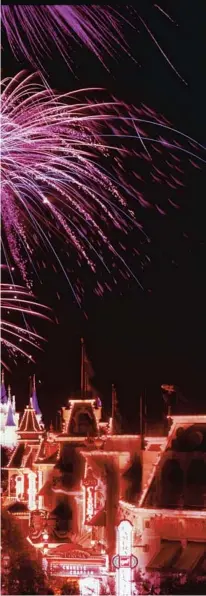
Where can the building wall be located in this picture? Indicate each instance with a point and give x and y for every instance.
(152, 526)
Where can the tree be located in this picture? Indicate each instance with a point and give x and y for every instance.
(183, 585)
(190, 585)
(71, 588)
(21, 572)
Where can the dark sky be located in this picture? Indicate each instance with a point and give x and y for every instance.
(140, 339)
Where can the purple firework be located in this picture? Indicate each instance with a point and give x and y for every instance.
(17, 337)
(31, 30)
(65, 173)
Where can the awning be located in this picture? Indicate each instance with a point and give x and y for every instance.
(99, 519)
(190, 556)
(200, 569)
(165, 556)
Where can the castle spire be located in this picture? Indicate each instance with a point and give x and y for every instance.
(34, 399)
(3, 389)
(10, 418)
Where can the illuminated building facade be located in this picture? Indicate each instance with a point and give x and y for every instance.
(94, 502)
(169, 520)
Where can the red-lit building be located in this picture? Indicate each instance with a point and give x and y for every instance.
(71, 490)
(169, 517)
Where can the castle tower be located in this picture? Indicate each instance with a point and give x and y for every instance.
(3, 390)
(34, 401)
(9, 418)
(10, 432)
(10, 436)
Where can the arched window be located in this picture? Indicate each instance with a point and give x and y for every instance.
(19, 487)
(82, 423)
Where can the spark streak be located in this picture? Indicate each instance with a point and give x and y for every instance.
(65, 178)
(16, 301)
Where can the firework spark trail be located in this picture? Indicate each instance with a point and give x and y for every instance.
(164, 13)
(12, 222)
(56, 179)
(161, 50)
(97, 27)
(16, 301)
(31, 31)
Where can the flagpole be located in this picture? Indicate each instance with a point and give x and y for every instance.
(145, 414)
(141, 419)
(113, 407)
(82, 366)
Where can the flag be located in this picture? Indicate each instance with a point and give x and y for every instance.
(87, 372)
(168, 389)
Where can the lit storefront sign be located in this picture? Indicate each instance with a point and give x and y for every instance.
(124, 561)
(40, 484)
(90, 484)
(73, 568)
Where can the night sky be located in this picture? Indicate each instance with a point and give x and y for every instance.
(138, 339)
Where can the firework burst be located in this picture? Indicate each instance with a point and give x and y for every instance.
(31, 30)
(17, 336)
(65, 173)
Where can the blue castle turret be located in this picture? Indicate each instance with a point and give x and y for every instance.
(34, 399)
(4, 398)
(10, 417)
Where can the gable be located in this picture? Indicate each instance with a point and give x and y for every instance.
(82, 421)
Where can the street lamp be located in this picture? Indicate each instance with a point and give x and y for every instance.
(45, 535)
(6, 562)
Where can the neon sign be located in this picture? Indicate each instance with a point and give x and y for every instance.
(130, 562)
(124, 561)
(75, 569)
(90, 484)
(40, 483)
(90, 503)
